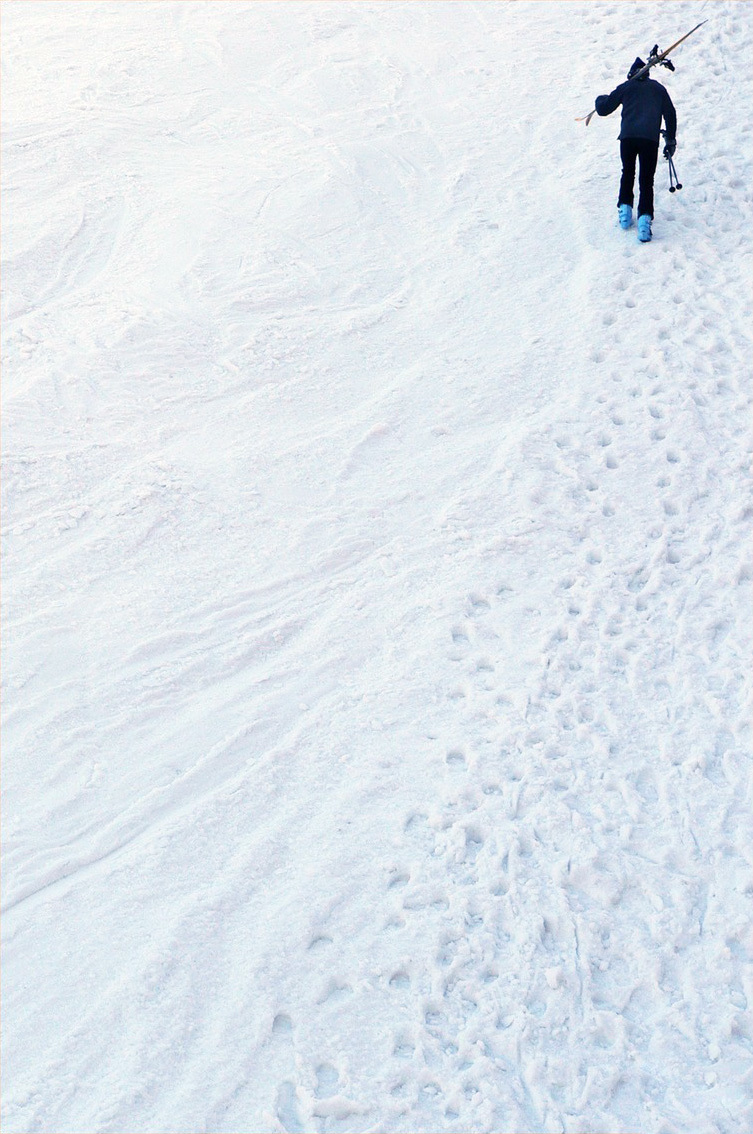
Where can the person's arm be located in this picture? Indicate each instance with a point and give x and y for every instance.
(670, 120)
(606, 104)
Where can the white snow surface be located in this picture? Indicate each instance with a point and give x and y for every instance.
(377, 575)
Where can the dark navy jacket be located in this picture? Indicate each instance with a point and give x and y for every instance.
(644, 103)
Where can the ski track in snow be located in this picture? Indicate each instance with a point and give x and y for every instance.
(377, 574)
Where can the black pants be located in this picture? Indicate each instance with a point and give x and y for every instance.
(648, 153)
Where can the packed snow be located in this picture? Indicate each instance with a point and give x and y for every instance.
(377, 575)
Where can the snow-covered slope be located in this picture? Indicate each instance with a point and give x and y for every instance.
(377, 677)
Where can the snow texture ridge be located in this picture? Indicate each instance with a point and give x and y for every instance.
(377, 573)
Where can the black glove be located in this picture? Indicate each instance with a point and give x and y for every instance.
(669, 148)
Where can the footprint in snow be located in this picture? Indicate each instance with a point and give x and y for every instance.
(398, 881)
(320, 941)
(474, 842)
(434, 1018)
(282, 1025)
(456, 759)
(404, 1047)
(478, 604)
(327, 1081)
(417, 828)
(287, 1108)
(429, 1093)
(336, 990)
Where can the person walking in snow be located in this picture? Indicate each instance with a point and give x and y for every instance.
(644, 103)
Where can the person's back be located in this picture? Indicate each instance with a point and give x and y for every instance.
(644, 103)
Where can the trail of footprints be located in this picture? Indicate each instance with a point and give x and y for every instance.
(485, 834)
(472, 860)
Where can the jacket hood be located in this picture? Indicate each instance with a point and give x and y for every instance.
(636, 66)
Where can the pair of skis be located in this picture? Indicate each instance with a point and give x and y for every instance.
(653, 60)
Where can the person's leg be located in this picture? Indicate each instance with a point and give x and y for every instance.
(649, 154)
(628, 153)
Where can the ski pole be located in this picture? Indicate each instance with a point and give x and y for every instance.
(673, 174)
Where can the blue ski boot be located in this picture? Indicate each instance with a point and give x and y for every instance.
(644, 228)
(626, 215)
